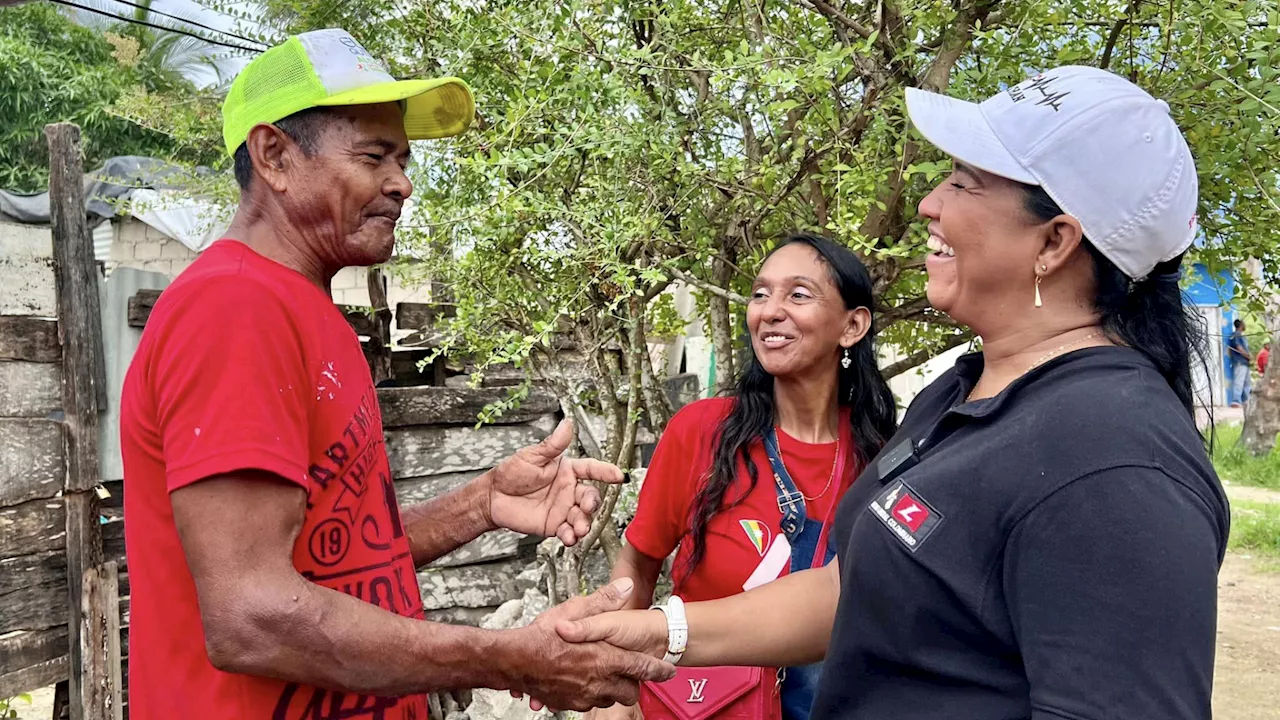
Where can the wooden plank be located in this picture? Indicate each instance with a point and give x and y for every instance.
(435, 450)
(97, 696)
(405, 366)
(32, 527)
(29, 389)
(84, 556)
(32, 459)
(31, 339)
(115, 686)
(404, 406)
(84, 387)
(26, 271)
(496, 545)
(34, 677)
(33, 592)
(23, 650)
(360, 317)
(140, 306)
(113, 543)
(472, 586)
(413, 490)
(459, 616)
(418, 316)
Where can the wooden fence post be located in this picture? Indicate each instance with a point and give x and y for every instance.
(380, 341)
(80, 329)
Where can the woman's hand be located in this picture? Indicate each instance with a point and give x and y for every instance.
(643, 631)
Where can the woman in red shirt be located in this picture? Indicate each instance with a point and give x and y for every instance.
(812, 397)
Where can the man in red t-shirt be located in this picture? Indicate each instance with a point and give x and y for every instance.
(272, 571)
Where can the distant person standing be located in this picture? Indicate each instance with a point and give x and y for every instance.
(1241, 359)
(1263, 356)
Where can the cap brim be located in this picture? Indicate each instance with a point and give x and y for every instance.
(959, 129)
(437, 108)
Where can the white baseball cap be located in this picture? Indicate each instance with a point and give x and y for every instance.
(1107, 153)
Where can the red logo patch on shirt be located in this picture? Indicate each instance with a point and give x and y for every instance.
(907, 515)
(910, 513)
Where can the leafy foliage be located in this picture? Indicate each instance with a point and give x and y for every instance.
(56, 70)
(9, 706)
(623, 144)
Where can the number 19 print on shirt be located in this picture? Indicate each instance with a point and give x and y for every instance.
(353, 541)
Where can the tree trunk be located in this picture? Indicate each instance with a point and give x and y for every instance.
(722, 328)
(1262, 416)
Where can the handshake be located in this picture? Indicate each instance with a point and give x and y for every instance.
(587, 653)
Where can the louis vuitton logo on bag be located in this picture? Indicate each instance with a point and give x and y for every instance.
(695, 690)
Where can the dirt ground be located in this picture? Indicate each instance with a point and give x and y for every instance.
(1247, 682)
(1247, 679)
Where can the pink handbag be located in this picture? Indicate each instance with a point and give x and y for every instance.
(723, 693)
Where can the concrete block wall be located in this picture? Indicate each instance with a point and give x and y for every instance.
(350, 288)
(138, 245)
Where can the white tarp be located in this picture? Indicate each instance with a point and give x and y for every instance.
(192, 222)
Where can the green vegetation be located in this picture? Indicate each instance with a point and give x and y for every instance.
(55, 70)
(1255, 529)
(1235, 465)
(9, 706)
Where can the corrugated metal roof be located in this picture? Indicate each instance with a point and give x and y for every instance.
(102, 236)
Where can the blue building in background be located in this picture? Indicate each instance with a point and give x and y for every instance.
(1213, 297)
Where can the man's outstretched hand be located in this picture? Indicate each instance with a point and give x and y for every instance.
(539, 491)
(585, 675)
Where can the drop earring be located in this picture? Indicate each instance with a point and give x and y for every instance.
(1043, 268)
(846, 361)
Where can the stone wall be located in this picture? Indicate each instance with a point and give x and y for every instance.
(434, 446)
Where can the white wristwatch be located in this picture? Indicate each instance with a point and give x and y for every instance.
(677, 630)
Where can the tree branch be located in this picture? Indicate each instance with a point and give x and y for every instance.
(1114, 37)
(703, 285)
(655, 291)
(922, 356)
(832, 13)
(895, 313)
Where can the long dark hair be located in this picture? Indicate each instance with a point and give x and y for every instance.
(1148, 315)
(862, 388)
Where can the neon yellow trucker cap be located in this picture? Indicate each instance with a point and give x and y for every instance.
(328, 67)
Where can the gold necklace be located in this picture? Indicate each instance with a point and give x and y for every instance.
(830, 477)
(1044, 358)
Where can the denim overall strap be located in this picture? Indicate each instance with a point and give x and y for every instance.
(809, 549)
(790, 501)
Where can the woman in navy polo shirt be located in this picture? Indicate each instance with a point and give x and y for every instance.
(1042, 536)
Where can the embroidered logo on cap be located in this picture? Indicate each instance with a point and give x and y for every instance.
(758, 533)
(906, 514)
(1040, 83)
